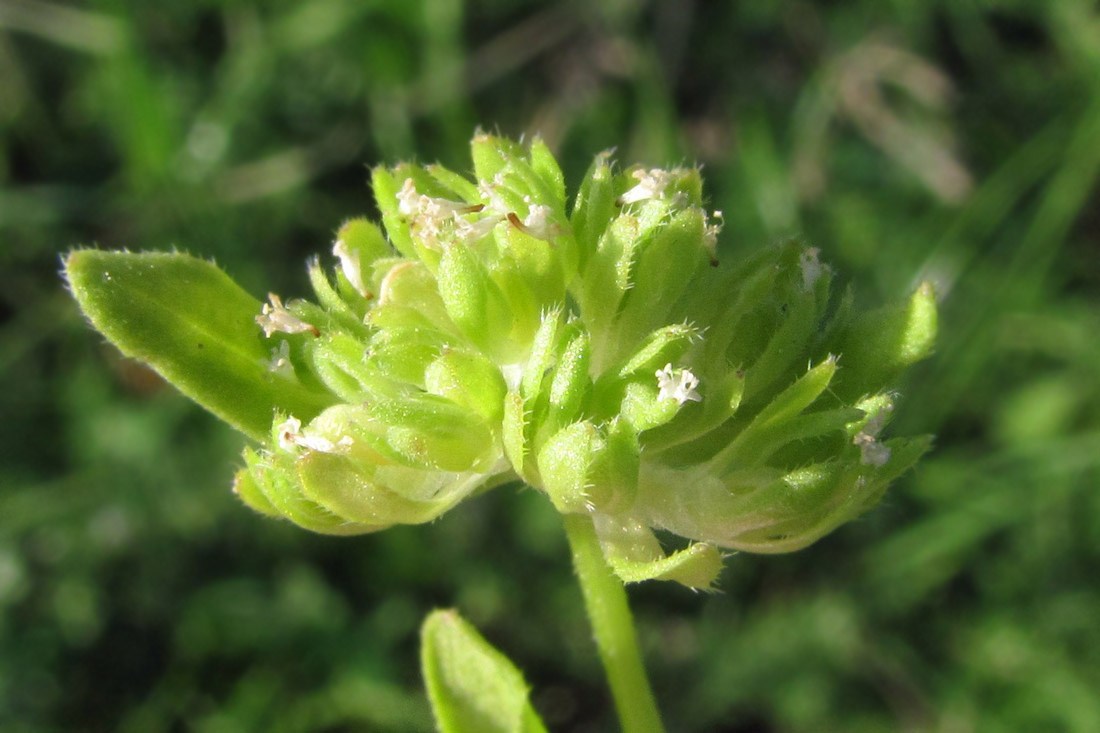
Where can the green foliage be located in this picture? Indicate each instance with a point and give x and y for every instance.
(953, 142)
(186, 318)
(472, 686)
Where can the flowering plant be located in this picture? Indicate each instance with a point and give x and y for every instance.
(602, 352)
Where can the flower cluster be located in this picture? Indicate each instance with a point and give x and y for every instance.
(489, 331)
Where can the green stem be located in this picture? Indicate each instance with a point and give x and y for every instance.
(613, 626)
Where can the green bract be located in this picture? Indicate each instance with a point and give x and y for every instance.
(492, 331)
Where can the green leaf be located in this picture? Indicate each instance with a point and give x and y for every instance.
(785, 346)
(570, 381)
(492, 154)
(248, 491)
(661, 273)
(798, 396)
(473, 688)
(376, 497)
(883, 342)
(197, 328)
(330, 299)
(473, 301)
(777, 416)
(662, 346)
(409, 298)
(456, 184)
(546, 166)
(643, 409)
(565, 463)
(594, 207)
(363, 238)
(635, 555)
(615, 469)
(386, 184)
(470, 380)
(360, 243)
(544, 353)
(270, 481)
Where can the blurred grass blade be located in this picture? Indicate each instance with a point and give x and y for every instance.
(189, 321)
(473, 688)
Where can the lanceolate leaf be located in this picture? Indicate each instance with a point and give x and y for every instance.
(473, 688)
(189, 321)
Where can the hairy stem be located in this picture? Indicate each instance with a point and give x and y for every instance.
(613, 627)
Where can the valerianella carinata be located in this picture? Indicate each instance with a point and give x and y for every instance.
(602, 350)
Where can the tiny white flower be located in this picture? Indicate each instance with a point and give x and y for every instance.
(349, 264)
(291, 437)
(275, 317)
(539, 223)
(877, 421)
(677, 384)
(513, 375)
(489, 191)
(871, 451)
(414, 204)
(280, 360)
(439, 208)
(434, 219)
(289, 430)
(651, 185)
(811, 267)
(408, 200)
(713, 228)
(324, 445)
(471, 231)
(428, 229)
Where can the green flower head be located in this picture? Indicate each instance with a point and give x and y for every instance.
(491, 331)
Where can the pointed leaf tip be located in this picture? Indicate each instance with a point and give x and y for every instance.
(473, 688)
(190, 322)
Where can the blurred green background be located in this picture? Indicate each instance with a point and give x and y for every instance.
(943, 140)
